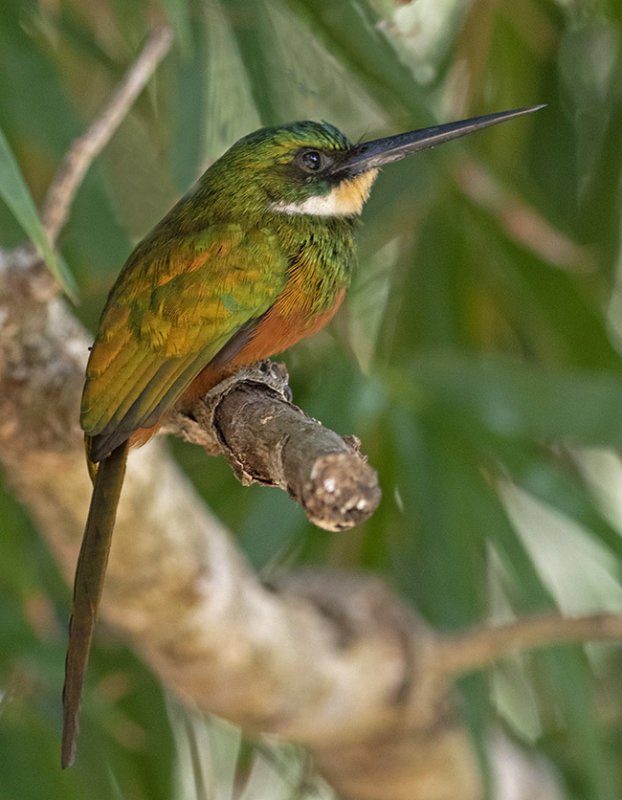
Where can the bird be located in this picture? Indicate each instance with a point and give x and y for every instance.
(256, 256)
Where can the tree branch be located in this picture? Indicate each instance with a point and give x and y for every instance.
(332, 661)
(250, 419)
(479, 647)
(87, 147)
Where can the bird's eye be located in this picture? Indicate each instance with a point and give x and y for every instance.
(311, 160)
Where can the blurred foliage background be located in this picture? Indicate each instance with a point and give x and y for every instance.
(477, 355)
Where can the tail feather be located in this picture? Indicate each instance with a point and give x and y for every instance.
(102, 444)
(87, 589)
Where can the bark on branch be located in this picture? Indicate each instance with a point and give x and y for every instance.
(250, 419)
(345, 673)
(333, 661)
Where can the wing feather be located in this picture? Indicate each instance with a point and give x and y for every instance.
(175, 305)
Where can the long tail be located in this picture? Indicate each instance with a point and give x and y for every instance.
(87, 589)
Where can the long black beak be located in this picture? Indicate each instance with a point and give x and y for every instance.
(370, 155)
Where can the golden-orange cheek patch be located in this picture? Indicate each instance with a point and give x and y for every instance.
(350, 195)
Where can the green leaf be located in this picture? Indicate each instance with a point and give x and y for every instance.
(179, 14)
(15, 194)
(516, 400)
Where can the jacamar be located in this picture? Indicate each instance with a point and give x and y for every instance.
(255, 257)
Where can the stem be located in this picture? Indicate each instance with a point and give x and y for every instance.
(85, 148)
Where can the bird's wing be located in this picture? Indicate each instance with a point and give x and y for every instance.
(175, 305)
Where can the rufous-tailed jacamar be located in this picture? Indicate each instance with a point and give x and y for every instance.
(255, 257)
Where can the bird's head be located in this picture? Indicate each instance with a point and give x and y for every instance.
(311, 168)
(295, 169)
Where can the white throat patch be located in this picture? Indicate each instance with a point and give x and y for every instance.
(345, 200)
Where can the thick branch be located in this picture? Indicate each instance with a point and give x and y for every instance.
(333, 662)
(251, 420)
